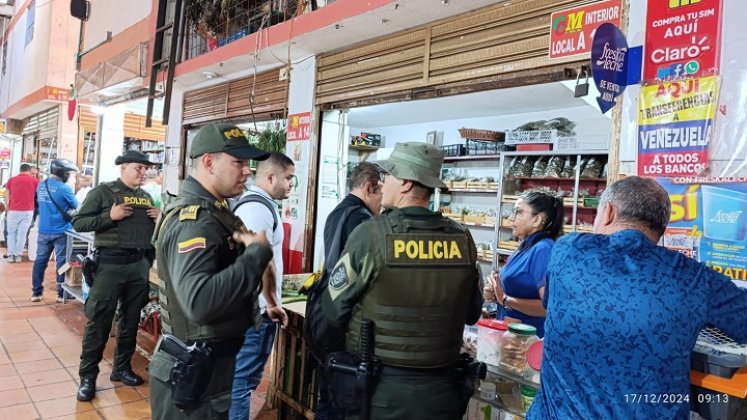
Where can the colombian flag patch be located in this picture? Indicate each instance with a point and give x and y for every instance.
(190, 245)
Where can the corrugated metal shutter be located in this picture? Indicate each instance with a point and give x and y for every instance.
(134, 127)
(231, 100)
(43, 123)
(503, 39)
(87, 120)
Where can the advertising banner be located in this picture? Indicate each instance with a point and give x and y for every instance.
(709, 224)
(675, 125)
(682, 39)
(572, 30)
(299, 126)
(609, 64)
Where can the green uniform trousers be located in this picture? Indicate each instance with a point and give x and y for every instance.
(112, 283)
(416, 397)
(214, 402)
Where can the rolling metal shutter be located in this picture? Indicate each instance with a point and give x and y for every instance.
(499, 46)
(231, 100)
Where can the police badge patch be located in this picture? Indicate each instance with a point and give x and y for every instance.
(339, 277)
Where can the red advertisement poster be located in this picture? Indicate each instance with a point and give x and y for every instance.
(572, 30)
(299, 126)
(57, 94)
(683, 39)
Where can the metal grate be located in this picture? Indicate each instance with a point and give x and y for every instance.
(715, 339)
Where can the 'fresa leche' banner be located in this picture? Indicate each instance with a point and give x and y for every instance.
(675, 125)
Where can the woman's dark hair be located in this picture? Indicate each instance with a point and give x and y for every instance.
(549, 205)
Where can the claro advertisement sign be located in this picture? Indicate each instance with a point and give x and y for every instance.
(709, 222)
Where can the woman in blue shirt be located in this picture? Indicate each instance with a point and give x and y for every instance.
(519, 288)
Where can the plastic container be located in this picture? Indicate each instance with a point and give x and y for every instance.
(527, 396)
(534, 362)
(489, 338)
(516, 341)
(487, 390)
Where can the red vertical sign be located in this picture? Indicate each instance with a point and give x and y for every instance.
(299, 126)
(683, 39)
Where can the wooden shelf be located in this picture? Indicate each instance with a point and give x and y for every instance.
(478, 225)
(152, 151)
(503, 251)
(468, 190)
(362, 148)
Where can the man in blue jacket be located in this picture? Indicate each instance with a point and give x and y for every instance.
(55, 198)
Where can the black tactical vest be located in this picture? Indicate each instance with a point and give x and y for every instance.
(173, 319)
(419, 300)
(131, 232)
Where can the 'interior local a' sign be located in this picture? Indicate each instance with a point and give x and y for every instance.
(572, 30)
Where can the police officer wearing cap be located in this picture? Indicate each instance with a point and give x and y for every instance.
(211, 271)
(413, 273)
(122, 216)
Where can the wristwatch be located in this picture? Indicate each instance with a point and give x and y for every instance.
(506, 307)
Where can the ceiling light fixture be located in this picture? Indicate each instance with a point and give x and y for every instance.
(209, 75)
(445, 2)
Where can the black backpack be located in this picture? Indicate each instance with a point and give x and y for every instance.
(314, 318)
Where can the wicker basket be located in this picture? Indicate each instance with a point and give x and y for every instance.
(475, 134)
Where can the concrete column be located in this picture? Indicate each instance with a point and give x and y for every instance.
(67, 135)
(111, 140)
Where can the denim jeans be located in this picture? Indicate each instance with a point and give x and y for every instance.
(18, 228)
(250, 364)
(45, 244)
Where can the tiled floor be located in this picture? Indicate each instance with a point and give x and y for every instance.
(40, 352)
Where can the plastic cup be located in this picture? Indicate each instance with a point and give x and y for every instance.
(724, 214)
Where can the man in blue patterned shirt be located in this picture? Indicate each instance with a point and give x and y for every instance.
(623, 314)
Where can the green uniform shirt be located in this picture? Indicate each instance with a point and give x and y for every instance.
(213, 281)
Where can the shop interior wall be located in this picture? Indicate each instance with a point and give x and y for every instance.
(590, 123)
(728, 149)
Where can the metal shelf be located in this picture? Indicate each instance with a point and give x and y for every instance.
(538, 178)
(471, 157)
(468, 190)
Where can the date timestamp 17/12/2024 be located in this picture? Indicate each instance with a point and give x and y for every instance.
(676, 398)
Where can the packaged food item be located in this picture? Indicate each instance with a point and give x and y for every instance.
(539, 167)
(469, 339)
(489, 337)
(522, 166)
(554, 167)
(516, 341)
(527, 396)
(569, 169)
(593, 168)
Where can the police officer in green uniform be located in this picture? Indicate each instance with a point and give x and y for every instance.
(122, 216)
(413, 273)
(211, 271)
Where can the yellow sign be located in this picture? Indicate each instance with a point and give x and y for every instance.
(428, 249)
(673, 4)
(685, 100)
(3, 126)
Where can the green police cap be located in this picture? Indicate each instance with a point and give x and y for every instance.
(226, 138)
(414, 161)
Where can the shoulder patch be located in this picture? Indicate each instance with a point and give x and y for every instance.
(189, 213)
(191, 244)
(339, 277)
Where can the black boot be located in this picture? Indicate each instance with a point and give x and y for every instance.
(128, 377)
(87, 389)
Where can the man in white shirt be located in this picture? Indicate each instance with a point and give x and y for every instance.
(274, 180)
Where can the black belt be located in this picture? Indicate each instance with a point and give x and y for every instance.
(405, 371)
(119, 257)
